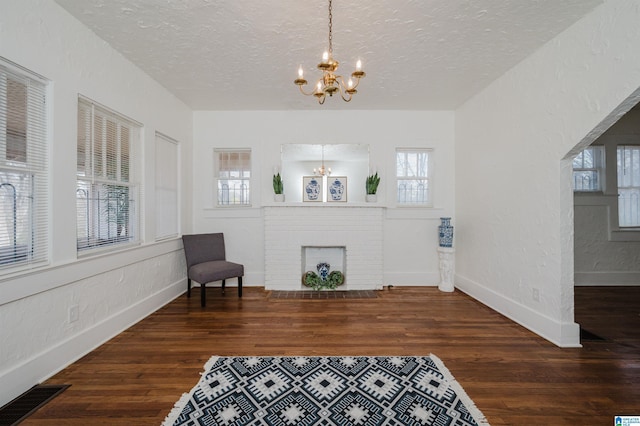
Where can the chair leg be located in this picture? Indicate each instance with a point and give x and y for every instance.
(223, 282)
(203, 296)
(239, 286)
(188, 287)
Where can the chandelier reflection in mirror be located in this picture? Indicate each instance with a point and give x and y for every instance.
(330, 82)
(322, 170)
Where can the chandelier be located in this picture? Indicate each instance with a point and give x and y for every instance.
(322, 170)
(330, 82)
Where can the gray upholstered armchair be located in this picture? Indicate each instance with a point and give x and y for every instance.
(206, 263)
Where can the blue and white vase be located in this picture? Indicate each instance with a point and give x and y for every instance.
(445, 232)
(336, 190)
(313, 190)
(323, 270)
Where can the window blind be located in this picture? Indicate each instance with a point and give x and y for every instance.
(167, 187)
(24, 179)
(233, 174)
(628, 164)
(107, 194)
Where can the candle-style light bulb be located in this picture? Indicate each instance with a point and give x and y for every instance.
(359, 65)
(319, 87)
(300, 72)
(350, 84)
(325, 56)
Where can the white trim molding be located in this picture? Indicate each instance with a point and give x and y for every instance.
(607, 278)
(564, 335)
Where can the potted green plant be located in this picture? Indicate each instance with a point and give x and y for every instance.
(372, 187)
(278, 187)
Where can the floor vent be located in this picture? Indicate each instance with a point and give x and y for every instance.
(350, 294)
(27, 403)
(587, 336)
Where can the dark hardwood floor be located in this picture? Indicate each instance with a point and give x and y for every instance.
(612, 313)
(513, 376)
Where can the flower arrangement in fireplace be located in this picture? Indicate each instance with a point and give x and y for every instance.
(323, 279)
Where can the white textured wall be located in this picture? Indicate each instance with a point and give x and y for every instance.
(514, 199)
(599, 260)
(112, 291)
(410, 234)
(603, 254)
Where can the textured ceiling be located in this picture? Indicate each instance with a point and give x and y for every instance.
(244, 55)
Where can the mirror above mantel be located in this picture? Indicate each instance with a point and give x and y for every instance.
(346, 160)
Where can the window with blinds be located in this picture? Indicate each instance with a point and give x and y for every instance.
(107, 193)
(167, 187)
(413, 176)
(628, 164)
(233, 175)
(24, 200)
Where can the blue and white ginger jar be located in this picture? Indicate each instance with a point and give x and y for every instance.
(323, 270)
(336, 190)
(445, 232)
(313, 190)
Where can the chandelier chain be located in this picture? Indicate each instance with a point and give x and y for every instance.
(330, 30)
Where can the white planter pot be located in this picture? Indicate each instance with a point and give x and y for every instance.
(372, 198)
(278, 197)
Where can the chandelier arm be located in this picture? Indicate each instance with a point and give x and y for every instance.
(305, 93)
(344, 98)
(343, 91)
(342, 83)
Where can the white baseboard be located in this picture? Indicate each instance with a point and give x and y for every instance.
(564, 335)
(411, 279)
(630, 278)
(35, 370)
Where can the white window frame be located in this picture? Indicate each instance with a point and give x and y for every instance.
(167, 187)
(24, 182)
(582, 169)
(240, 194)
(629, 187)
(411, 176)
(108, 194)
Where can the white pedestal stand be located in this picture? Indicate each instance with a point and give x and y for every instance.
(447, 258)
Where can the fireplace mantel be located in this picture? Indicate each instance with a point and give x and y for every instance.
(290, 227)
(323, 205)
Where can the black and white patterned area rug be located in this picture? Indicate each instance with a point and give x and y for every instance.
(326, 391)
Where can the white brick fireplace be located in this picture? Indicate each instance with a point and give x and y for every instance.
(288, 229)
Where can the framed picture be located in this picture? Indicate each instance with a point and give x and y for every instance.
(312, 189)
(337, 189)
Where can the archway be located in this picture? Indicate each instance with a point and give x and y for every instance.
(602, 253)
